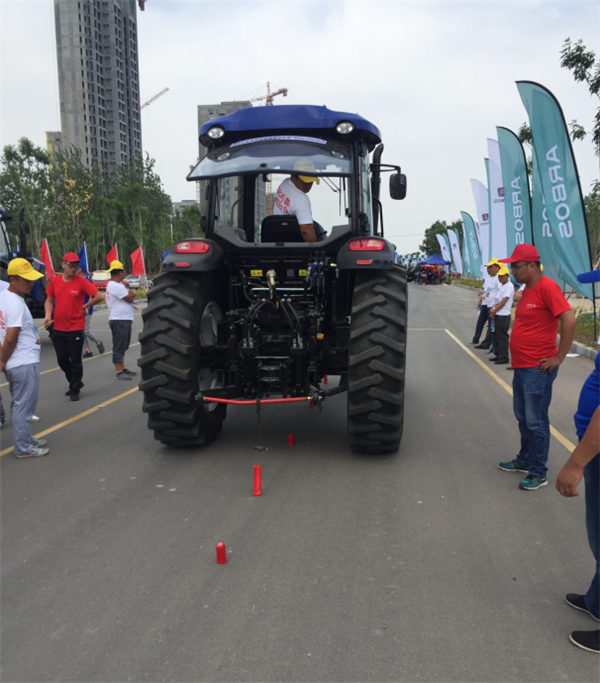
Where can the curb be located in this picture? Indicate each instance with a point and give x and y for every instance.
(585, 351)
(472, 289)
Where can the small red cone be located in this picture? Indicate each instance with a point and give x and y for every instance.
(221, 553)
(290, 439)
(257, 479)
(325, 380)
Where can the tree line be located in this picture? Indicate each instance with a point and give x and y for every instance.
(68, 203)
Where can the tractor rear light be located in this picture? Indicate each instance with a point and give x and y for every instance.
(192, 247)
(183, 264)
(216, 132)
(364, 262)
(366, 245)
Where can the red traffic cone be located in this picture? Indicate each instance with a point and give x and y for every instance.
(221, 553)
(257, 480)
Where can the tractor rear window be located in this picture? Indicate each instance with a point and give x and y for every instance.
(276, 154)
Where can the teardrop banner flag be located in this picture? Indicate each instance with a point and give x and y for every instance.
(542, 237)
(46, 259)
(83, 260)
(497, 212)
(482, 205)
(472, 244)
(113, 255)
(566, 221)
(445, 250)
(455, 247)
(465, 252)
(137, 262)
(517, 201)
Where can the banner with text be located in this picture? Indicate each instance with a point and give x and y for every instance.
(541, 239)
(517, 202)
(455, 248)
(552, 153)
(497, 213)
(472, 244)
(482, 205)
(445, 250)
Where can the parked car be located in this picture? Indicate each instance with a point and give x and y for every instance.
(100, 278)
(134, 281)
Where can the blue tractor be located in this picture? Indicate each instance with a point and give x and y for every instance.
(252, 311)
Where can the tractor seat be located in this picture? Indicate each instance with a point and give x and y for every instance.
(280, 229)
(286, 229)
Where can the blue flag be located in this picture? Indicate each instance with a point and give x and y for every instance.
(165, 254)
(565, 222)
(83, 261)
(517, 202)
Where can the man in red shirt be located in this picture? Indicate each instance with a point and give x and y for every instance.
(65, 298)
(535, 359)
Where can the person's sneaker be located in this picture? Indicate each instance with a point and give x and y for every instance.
(502, 361)
(481, 346)
(34, 453)
(131, 373)
(35, 418)
(100, 347)
(578, 602)
(514, 466)
(69, 392)
(122, 375)
(88, 354)
(472, 343)
(586, 640)
(493, 359)
(531, 483)
(39, 443)
(74, 396)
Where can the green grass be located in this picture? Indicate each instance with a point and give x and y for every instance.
(584, 329)
(476, 284)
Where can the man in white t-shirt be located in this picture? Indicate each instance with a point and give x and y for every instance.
(20, 356)
(500, 315)
(120, 305)
(291, 198)
(490, 291)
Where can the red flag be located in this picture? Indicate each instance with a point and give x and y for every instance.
(137, 263)
(47, 260)
(113, 255)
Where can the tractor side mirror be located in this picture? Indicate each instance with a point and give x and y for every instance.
(398, 186)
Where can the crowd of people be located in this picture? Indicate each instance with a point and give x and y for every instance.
(70, 297)
(535, 358)
(427, 275)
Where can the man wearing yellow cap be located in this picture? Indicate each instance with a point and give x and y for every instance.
(291, 198)
(119, 300)
(20, 356)
(486, 301)
(500, 315)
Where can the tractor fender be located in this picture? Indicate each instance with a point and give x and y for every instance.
(178, 261)
(366, 258)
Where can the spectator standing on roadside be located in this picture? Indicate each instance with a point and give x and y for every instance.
(20, 356)
(88, 319)
(65, 297)
(585, 462)
(500, 314)
(486, 300)
(119, 300)
(535, 360)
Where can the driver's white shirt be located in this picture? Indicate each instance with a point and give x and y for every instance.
(290, 201)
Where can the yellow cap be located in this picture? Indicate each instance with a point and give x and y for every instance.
(306, 165)
(503, 271)
(493, 262)
(116, 265)
(24, 269)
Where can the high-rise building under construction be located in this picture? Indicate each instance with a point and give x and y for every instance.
(98, 76)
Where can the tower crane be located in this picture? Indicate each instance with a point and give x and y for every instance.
(269, 103)
(270, 95)
(162, 92)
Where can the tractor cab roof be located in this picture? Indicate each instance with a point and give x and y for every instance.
(290, 119)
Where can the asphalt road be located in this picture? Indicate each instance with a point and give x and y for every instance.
(429, 565)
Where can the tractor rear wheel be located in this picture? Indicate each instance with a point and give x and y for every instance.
(377, 360)
(180, 322)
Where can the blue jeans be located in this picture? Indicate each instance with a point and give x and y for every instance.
(532, 393)
(591, 474)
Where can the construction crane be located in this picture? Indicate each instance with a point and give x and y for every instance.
(162, 92)
(269, 96)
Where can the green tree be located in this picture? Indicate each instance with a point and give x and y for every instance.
(592, 211)
(582, 63)
(430, 243)
(25, 182)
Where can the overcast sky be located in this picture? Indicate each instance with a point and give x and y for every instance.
(435, 77)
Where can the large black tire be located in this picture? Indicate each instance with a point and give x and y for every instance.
(180, 319)
(377, 360)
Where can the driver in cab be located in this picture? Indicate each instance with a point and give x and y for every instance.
(291, 199)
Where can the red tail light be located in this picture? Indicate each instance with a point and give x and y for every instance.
(192, 247)
(366, 245)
